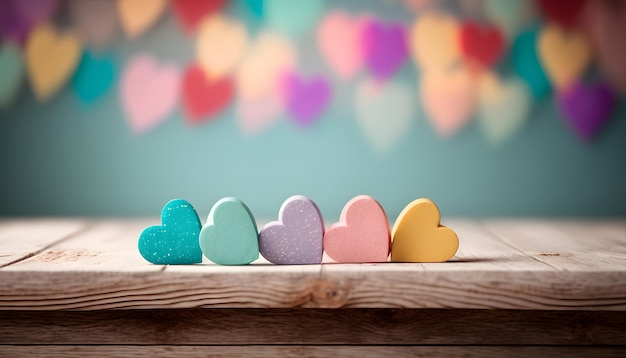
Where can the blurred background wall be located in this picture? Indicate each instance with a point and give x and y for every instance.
(489, 108)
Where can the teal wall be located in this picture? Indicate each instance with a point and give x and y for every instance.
(65, 158)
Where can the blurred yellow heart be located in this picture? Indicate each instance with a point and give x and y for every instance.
(221, 44)
(51, 58)
(137, 16)
(269, 58)
(417, 235)
(564, 54)
(434, 41)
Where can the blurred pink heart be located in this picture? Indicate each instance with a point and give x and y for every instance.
(449, 99)
(339, 37)
(606, 25)
(149, 91)
(256, 115)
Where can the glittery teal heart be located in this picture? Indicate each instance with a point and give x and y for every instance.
(175, 242)
(230, 236)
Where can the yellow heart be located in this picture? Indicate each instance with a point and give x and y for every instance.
(221, 44)
(435, 41)
(564, 54)
(137, 16)
(51, 58)
(418, 237)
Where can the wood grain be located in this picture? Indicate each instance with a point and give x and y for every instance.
(308, 351)
(504, 264)
(313, 327)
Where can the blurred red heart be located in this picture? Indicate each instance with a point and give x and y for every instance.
(482, 44)
(563, 12)
(202, 98)
(191, 12)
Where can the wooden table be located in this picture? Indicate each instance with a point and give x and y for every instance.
(516, 288)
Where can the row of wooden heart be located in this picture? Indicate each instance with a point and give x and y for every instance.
(298, 237)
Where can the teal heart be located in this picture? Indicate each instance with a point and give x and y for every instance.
(94, 77)
(175, 242)
(293, 18)
(230, 236)
(527, 65)
(256, 6)
(11, 73)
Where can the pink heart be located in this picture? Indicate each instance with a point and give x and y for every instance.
(256, 115)
(448, 99)
(606, 24)
(149, 91)
(339, 40)
(361, 235)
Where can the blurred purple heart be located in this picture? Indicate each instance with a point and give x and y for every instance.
(306, 99)
(18, 17)
(385, 48)
(587, 108)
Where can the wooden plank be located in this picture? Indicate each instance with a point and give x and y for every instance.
(105, 246)
(20, 238)
(308, 351)
(566, 245)
(495, 268)
(313, 327)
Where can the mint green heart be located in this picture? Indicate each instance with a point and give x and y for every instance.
(11, 73)
(293, 18)
(175, 242)
(230, 236)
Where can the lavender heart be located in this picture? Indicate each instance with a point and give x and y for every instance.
(385, 48)
(296, 238)
(586, 108)
(306, 100)
(17, 17)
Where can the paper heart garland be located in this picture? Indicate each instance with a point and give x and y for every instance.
(18, 17)
(203, 98)
(11, 73)
(95, 21)
(503, 107)
(339, 40)
(296, 237)
(230, 235)
(221, 45)
(362, 233)
(449, 99)
(606, 25)
(527, 64)
(51, 58)
(384, 47)
(293, 18)
(191, 12)
(384, 111)
(587, 108)
(149, 91)
(137, 16)
(434, 42)
(175, 242)
(481, 45)
(94, 77)
(417, 235)
(306, 98)
(564, 55)
(259, 73)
